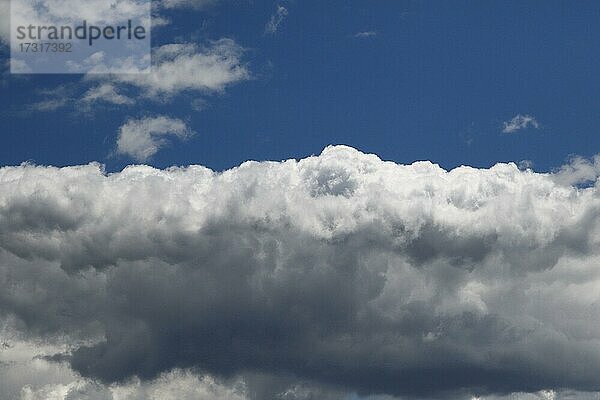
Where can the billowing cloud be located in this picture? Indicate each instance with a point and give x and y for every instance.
(334, 274)
(519, 122)
(143, 138)
(579, 171)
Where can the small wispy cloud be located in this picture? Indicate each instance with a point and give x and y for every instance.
(196, 4)
(49, 105)
(142, 138)
(276, 19)
(213, 68)
(365, 34)
(108, 93)
(53, 99)
(519, 122)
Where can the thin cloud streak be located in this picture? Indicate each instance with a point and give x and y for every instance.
(520, 122)
(276, 19)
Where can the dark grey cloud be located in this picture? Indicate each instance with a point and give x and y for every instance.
(306, 279)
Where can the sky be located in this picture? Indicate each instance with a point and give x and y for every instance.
(406, 80)
(333, 200)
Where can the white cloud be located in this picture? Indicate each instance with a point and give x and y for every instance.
(365, 34)
(187, 3)
(519, 122)
(52, 99)
(108, 93)
(186, 67)
(578, 171)
(178, 68)
(4, 21)
(60, 12)
(339, 259)
(19, 66)
(276, 19)
(143, 138)
(175, 385)
(95, 12)
(49, 105)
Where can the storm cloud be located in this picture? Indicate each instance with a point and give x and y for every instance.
(339, 273)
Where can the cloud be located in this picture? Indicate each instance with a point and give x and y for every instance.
(94, 11)
(108, 93)
(19, 66)
(579, 171)
(197, 4)
(176, 385)
(44, 13)
(520, 122)
(143, 138)
(28, 371)
(60, 12)
(365, 34)
(52, 99)
(186, 67)
(276, 19)
(323, 277)
(178, 68)
(4, 21)
(49, 105)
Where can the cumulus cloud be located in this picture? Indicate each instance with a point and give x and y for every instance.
(318, 278)
(143, 138)
(276, 19)
(185, 67)
(579, 171)
(519, 122)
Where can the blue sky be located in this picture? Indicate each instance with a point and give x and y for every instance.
(431, 81)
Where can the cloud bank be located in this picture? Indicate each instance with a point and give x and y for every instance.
(335, 274)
